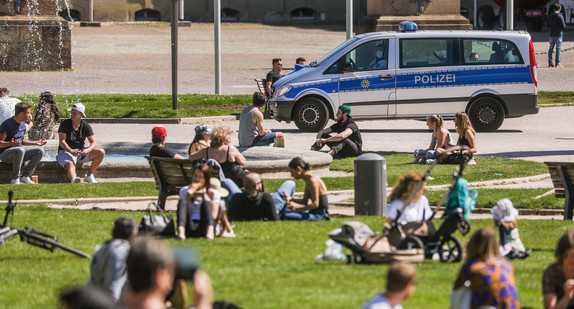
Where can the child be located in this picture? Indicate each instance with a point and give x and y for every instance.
(505, 216)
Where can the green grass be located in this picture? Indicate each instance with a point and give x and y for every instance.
(149, 105)
(269, 264)
(555, 98)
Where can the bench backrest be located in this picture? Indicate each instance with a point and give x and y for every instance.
(261, 85)
(171, 174)
(562, 174)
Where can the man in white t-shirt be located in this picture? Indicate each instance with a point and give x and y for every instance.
(400, 287)
(6, 105)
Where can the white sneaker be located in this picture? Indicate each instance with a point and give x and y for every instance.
(90, 179)
(15, 181)
(228, 234)
(26, 179)
(76, 180)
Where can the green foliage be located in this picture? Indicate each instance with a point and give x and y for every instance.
(80, 190)
(149, 105)
(269, 264)
(555, 98)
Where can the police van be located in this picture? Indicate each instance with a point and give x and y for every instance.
(410, 74)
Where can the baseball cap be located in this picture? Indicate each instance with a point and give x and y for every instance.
(203, 128)
(80, 108)
(159, 131)
(345, 109)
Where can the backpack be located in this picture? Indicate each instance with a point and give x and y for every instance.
(461, 196)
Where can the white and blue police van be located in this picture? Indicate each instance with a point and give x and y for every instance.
(409, 74)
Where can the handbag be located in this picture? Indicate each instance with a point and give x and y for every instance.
(461, 297)
(158, 224)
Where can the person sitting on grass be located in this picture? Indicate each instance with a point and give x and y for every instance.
(415, 217)
(255, 204)
(440, 141)
(73, 133)
(313, 206)
(401, 279)
(194, 208)
(251, 131)
(558, 277)
(158, 136)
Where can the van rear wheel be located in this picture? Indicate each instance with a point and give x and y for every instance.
(311, 115)
(486, 114)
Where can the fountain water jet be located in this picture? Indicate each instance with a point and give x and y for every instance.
(33, 37)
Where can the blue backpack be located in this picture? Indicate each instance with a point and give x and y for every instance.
(461, 196)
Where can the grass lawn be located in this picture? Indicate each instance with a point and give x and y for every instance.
(194, 105)
(269, 264)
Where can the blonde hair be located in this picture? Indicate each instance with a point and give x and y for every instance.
(482, 244)
(406, 185)
(462, 124)
(219, 136)
(436, 119)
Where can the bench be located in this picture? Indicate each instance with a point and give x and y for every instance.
(562, 174)
(170, 176)
(261, 86)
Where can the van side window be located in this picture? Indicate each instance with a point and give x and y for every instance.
(490, 51)
(427, 52)
(372, 55)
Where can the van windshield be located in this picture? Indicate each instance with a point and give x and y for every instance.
(333, 52)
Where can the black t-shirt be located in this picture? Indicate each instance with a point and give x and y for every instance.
(161, 151)
(249, 208)
(355, 136)
(272, 77)
(75, 138)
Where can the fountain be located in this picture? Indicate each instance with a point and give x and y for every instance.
(33, 37)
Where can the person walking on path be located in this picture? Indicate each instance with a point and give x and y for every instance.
(73, 133)
(251, 131)
(556, 25)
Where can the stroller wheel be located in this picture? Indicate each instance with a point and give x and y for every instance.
(411, 242)
(358, 259)
(463, 226)
(450, 249)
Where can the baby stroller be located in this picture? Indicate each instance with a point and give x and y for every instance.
(368, 248)
(460, 202)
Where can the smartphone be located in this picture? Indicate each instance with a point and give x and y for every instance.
(187, 262)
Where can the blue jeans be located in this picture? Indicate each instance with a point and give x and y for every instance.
(231, 186)
(264, 140)
(288, 187)
(18, 155)
(554, 40)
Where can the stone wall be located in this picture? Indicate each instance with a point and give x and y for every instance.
(271, 11)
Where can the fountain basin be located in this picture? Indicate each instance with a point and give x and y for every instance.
(270, 162)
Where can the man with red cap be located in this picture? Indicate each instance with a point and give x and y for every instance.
(73, 133)
(158, 135)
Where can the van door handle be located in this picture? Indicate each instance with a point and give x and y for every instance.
(386, 77)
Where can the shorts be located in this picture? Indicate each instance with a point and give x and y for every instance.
(264, 140)
(64, 157)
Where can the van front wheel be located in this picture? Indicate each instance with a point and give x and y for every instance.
(486, 114)
(311, 115)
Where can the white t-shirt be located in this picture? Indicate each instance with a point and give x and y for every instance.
(380, 302)
(413, 212)
(7, 105)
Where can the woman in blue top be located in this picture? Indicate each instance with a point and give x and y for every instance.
(314, 205)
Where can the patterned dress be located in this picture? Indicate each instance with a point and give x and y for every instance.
(491, 282)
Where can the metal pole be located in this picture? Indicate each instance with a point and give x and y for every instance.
(510, 15)
(475, 14)
(181, 17)
(349, 19)
(217, 35)
(91, 11)
(174, 23)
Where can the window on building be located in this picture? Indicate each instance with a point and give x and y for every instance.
(148, 15)
(228, 14)
(303, 14)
